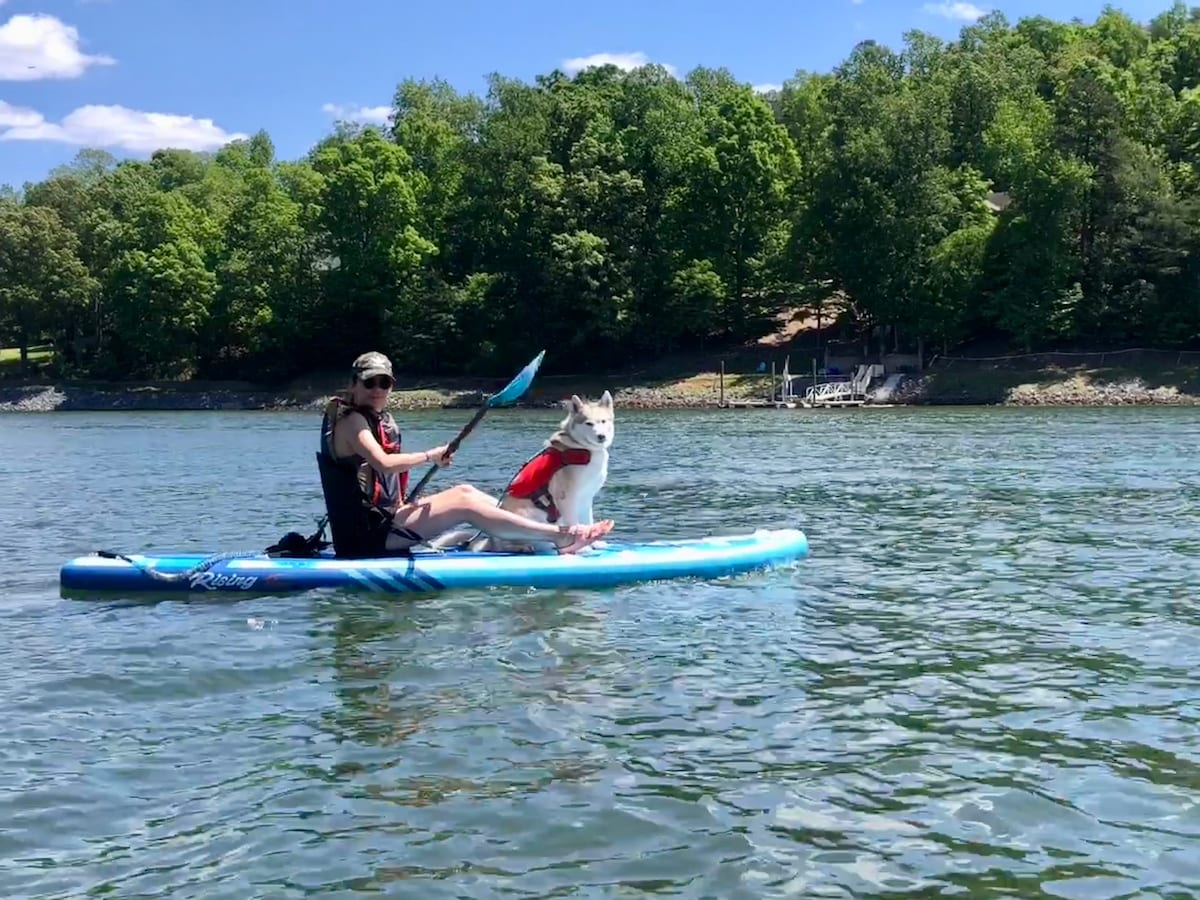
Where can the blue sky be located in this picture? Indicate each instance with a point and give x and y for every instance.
(133, 75)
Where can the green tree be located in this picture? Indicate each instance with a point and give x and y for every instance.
(44, 287)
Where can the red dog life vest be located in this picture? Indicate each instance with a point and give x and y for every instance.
(533, 481)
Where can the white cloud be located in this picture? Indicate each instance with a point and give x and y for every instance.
(17, 116)
(374, 114)
(115, 126)
(38, 46)
(962, 11)
(767, 88)
(623, 61)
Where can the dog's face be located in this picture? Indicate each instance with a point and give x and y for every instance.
(590, 422)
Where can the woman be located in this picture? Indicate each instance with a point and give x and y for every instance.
(364, 474)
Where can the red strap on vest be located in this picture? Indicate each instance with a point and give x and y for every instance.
(391, 447)
(535, 475)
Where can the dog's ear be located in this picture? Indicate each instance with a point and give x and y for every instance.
(575, 404)
(606, 399)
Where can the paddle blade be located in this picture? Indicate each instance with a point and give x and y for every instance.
(519, 385)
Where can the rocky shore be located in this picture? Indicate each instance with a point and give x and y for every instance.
(55, 398)
(59, 398)
(1040, 389)
(697, 392)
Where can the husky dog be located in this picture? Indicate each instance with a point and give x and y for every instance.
(561, 482)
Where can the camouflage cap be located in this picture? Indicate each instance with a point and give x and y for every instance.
(372, 363)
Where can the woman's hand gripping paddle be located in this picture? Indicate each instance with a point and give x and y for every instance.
(510, 394)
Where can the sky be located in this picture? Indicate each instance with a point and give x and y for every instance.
(131, 76)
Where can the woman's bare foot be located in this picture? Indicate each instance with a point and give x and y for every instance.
(584, 535)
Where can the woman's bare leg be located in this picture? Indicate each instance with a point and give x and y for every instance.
(464, 503)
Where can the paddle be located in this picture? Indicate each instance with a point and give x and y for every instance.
(510, 394)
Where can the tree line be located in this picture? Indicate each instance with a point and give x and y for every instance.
(1035, 183)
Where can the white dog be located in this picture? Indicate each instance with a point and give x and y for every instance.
(561, 482)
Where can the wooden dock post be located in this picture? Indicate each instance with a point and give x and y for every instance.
(721, 402)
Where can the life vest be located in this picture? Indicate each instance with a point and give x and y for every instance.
(359, 501)
(532, 482)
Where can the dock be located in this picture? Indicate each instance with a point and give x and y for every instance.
(836, 392)
(757, 404)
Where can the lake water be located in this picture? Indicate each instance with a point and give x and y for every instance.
(983, 680)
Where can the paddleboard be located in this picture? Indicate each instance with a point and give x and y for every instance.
(430, 570)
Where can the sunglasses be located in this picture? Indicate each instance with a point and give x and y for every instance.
(377, 381)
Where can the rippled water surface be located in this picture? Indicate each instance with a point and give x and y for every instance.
(983, 680)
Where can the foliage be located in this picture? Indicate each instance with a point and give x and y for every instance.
(1036, 183)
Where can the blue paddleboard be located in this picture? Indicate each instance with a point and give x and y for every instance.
(429, 570)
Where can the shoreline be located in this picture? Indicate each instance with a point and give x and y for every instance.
(979, 387)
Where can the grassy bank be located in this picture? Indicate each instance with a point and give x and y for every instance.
(678, 383)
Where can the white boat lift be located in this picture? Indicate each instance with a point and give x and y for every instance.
(851, 391)
(799, 391)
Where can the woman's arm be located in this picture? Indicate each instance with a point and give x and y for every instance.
(365, 444)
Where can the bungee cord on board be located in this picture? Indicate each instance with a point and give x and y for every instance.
(293, 544)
